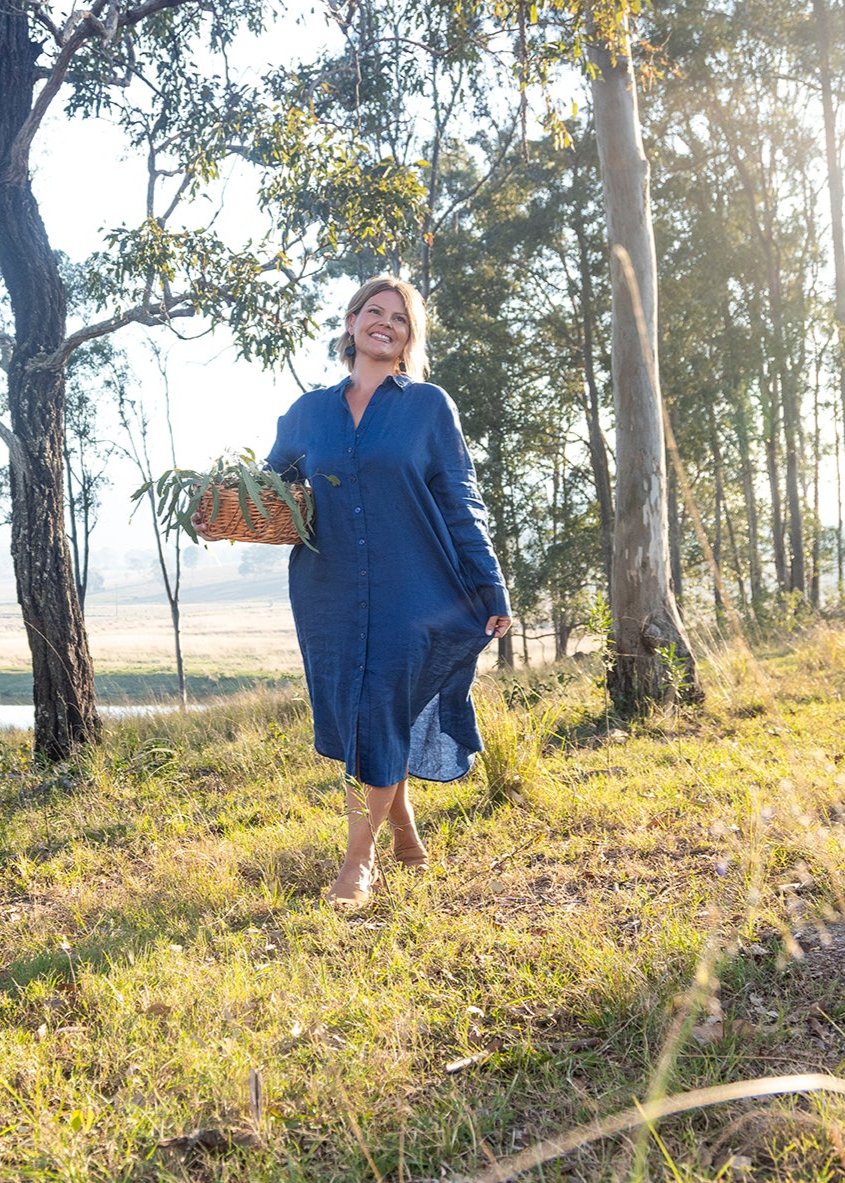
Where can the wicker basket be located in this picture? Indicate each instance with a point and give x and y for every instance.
(229, 521)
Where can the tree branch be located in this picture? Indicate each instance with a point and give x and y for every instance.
(177, 197)
(88, 26)
(274, 265)
(19, 154)
(134, 15)
(17, 453)
(471, 192)
(144, 314)
(43, 19)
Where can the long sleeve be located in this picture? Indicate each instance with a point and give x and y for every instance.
(283, 457)
(455, 489)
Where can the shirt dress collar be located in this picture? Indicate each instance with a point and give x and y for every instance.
(400, 380)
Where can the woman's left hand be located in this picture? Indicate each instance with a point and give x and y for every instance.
(497, 626)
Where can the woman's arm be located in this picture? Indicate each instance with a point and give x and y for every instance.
(282, 458)
(455, 489)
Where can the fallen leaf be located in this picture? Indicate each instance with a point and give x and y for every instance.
(740, 1163)
(708, 1032)
(158, 1010)
(212, 1139)
(742, 1027)
(476, 1037)
(327, 1036)
(318, 1032)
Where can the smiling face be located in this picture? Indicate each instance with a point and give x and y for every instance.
(381, 330)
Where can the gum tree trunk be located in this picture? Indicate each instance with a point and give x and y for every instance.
(63, 680)
(645, 614)
(834, 177)
(598, 449)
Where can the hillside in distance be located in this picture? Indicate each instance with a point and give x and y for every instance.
(217, 575)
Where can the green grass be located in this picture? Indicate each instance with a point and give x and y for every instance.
(146, 686)
(607, 918)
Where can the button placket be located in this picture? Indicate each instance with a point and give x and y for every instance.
(359, 524)
(360, 534)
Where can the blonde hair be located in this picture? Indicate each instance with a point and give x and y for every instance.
(414, 356)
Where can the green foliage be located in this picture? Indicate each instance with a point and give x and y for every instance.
(314, 185)
(600, 626)
(178, 492)
(533, 686)
(675, 671)
(512, 748)
(164, 79)
(511, 360)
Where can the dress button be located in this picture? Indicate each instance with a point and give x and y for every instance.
(363, 634)
(363, 603)
(350, 451)
(363, 574)
(357, 508)
(362, 542)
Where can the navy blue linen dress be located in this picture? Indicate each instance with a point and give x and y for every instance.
(391, 611)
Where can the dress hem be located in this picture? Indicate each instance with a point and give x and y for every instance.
(417, 776)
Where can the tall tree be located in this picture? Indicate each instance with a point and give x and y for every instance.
(62, 673)
(737, 120)
(829, 37)
(646, 621)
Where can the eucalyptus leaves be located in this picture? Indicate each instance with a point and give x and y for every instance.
(239, 499)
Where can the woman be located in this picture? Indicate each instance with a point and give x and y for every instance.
(404, 591)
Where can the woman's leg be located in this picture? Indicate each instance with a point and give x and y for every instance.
(407, 844)
(366, 809)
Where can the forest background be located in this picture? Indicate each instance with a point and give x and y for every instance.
(502, 229)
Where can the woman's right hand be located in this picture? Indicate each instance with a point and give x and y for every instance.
(201, 526)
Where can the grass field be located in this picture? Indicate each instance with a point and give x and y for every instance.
(616, 914)
(227, 643)
(226, 640)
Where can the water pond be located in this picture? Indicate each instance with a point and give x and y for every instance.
(20, 716)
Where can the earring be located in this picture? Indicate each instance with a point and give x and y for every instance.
(349, 351)
(403, 369)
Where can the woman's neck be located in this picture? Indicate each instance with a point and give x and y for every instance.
(368, 375)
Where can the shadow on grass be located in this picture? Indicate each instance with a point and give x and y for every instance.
(94, 954)
(120, 933)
